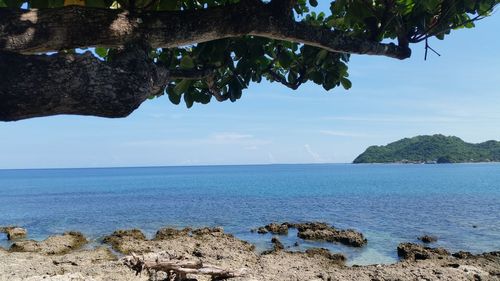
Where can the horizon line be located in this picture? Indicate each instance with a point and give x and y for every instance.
(173, 166)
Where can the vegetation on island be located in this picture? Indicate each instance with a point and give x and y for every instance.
(431, 149)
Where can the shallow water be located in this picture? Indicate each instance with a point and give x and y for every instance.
(388, 203)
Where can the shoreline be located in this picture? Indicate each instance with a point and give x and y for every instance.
(71, 257)
(236, 165)
(369, 254)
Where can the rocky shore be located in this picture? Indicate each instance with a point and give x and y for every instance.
(64, 257)
(317, 231)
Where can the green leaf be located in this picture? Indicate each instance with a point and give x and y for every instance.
(169, 5)
(317, 77)
(44, 4)
(235, 89)
(285, 59)
(292, 77)
(98, 3)
(38, 4)
(430, 5)
(56, 3)
(469, 25)
(174, 98)
(321, 56)
(346, 83)
(203, 97)
(11, 3)
(187, 62)
(182, 86)
(101, 52)
(188, 99)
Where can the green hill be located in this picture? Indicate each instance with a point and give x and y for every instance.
(436, 148)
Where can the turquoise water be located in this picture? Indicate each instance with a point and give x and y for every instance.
(388, 203)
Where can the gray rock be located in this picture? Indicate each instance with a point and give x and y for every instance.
(410, 251)
(171, 233)
(428, 238)
(348, 237)
(335, 258)
(54, 245)
(14, 232)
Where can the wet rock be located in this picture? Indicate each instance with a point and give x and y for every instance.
(274, 228)
(14, 232)
(348, 237)
(317, 231)
(428, 238)
(410, 251)
(314, 226)
(262, 230)
(232, 253)
(120, 238)
(126, 233)
(492, 255)
(462, 255)
(277, 246)
(54, 245)
(208, 230)
(171, 233)
(336, 258)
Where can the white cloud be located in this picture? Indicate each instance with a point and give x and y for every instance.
(272, 160)
(230, 137)
(344, 134)
(251, 147)
(247, 141)
(315, 156)
(395, 119)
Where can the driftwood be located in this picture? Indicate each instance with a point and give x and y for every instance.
(177, 268)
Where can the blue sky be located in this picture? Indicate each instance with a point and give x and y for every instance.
(455, 94)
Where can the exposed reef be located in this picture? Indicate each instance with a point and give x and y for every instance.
(318, 231)
(212, 251)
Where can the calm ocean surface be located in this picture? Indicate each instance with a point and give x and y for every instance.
(388, 203)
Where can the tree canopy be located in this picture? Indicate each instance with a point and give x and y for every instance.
(435, 148)
(196, 50)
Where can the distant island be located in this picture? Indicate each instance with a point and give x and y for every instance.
(431, 149)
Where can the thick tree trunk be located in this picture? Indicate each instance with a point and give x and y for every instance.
(41, 85)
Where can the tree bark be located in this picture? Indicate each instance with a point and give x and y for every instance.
(70, 27)
(153, 262)
(42, 85)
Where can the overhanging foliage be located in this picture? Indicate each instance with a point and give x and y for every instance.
(195, 50)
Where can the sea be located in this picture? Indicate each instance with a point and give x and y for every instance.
(388, 203)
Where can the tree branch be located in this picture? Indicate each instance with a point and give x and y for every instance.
(283, 81)
(283, 7)
(71, 27)
(277, 77)
(42, 85)
(177, 268)
(192, 74)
